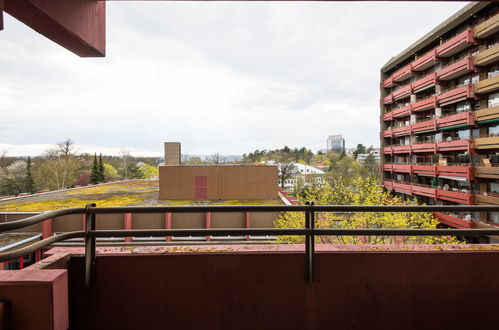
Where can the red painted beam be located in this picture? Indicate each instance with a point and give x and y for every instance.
(128, 225)
(208, 223)
(77, 25)
(47, 229)
(168, 224)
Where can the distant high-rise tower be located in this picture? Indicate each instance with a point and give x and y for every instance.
(172, 153)
(335, 143)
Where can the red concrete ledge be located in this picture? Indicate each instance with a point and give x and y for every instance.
(38, 299)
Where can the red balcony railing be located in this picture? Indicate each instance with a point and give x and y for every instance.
(387, 150)
(425, 61)
(456, 94)
(401, 131)
(402, 188)
(453, 221)
(424, 83)
(403, 73)
(456, 171)
(456, 44)
(424, 147)
(430, 170)
(456, 69)
(401, 168)
(425, 104)
(388, 82)
(388, 99)
(458, 119)
(406, 149)
(388, 116)
(388, 167)
(388, 133)
(425, 126)
(388, 184)
(455, 145)
(402, 92)
(455, 196)
(424, 191)
(402, 112)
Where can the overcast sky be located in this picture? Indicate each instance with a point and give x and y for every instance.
(216, 76)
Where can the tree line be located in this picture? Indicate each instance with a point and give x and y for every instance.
(62, 166)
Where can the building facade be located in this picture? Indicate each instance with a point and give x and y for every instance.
(440, 116)
(335, 143)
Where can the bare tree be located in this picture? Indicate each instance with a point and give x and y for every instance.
(60, 166)
(216, 158)
(286, 171)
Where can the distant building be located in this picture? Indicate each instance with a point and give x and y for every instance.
(361, 158)
(310, 174)
(335, 143)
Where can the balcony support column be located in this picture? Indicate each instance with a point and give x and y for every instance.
(128, 225)
(208, 223)
(168, 224)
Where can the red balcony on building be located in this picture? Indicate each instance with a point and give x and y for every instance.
(387, 150)
(388, 184)
(388, 99)
(457, 94)
(388, 116)
(425, 104)
(455, 196)
(457, 120)
(424, 147)
(455, 145)
(402, 112)
(388, 167)
(423, 191)
(388, 82)
(401, 131)
(402, 92)
(406, 149)
(456, 44)
(403, 74)
(402, 188)
(453, 221)
(401, 168)
(426, 61)
(388, 133)
(427, 170)
(424, 83)
(425, 126)
(451, 172)
(456, 69)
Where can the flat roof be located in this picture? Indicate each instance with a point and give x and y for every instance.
(459, 17)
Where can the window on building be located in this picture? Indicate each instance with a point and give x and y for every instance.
(463, 134)
(494, 187)
(463, 106)
(493, 71)
(493, 100)
(494, 130)
(494, 217)
(475, 79)
(463, 81)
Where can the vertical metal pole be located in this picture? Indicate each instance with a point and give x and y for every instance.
(89, 245)
(309, 244)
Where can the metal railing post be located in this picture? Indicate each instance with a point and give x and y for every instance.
(89, 245)
(309, 243)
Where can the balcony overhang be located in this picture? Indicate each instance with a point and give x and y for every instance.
(403, 74)
(426, 61)
(487, 172)
(425, 104)
(456, 69)
(487, 86)
(456, 44)
(425, 126)
(487, 57)
(424, 83)
(455, 95)
(487, 143)
(456, 121)
(487, 28)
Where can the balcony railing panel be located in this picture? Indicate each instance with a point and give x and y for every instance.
(402, 188)
(424, 83)
(453, 221)
(387, 150)
(458, 119)
(403, 74)
(423, 191)
(487, 172)
(402, 112)
(455, 196)
(405, 149)
(456, 69)
(456, 94)
(487, 199)
(487, 85)
(388, 133)
(456, 44)
(487, 56)
(402, 92)
(426, 61)
(388, 82)
(388, 99)
(456, 171)
(455, 145)
(487, 114)
(427, 170)
(424, 147)
(388, 184)
(401, 131)
(388, 116)
(387, 167)
(425, 104)
(425, 126)
(487, 28)
(487, 142)
(401, 168)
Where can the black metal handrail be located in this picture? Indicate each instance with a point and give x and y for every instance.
(90, 233)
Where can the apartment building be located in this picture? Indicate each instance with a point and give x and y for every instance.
(440, 116)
